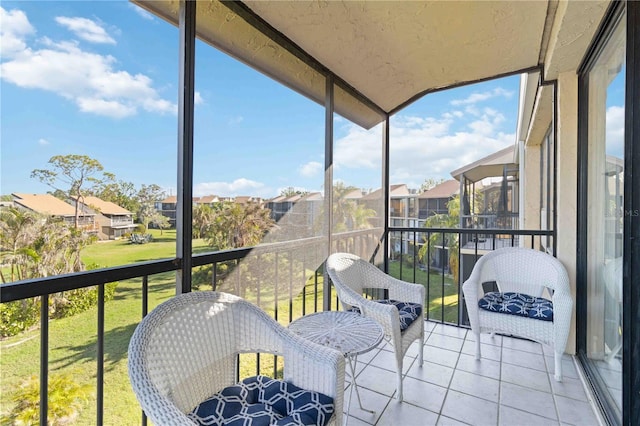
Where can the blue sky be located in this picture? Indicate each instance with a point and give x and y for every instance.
(99, 79)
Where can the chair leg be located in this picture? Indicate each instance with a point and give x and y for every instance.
(421, 351)
(558, 366)
(478, 353)
(399, 357)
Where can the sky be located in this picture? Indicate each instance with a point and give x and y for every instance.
(100, 79)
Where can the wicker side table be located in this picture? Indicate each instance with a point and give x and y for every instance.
(348, 332)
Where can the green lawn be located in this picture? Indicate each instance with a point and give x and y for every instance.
(442, 293)
(73, 340)
(122, 252)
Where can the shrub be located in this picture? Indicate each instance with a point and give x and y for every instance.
(18, 316)
(136, 238)
(75, 301)
(408, 259)
(65, 399)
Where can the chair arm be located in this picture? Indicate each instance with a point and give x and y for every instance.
(470, 290)
(346, 294)
(307, 365)
(384, 314)
(406, 292)
(316, 368)
(158, 407)
(562, 310)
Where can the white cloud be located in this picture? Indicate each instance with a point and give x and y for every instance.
(86, 29)
(90, 80)
(141, 12)
(43, 142)
(425, 147)
(239, 186)
(483, 96)
(311, 169)
(13, 29)
(102, 107)
(358, 149)
(198, 99)
(481, 127)
(615, 131)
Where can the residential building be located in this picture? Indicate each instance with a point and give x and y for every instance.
(47, 204)
(436, 200)
(114, 221)
(167, 208)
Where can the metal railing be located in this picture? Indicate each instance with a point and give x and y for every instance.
(443, 290)
(441, 259)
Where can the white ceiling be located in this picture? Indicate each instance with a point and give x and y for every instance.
(393, 52)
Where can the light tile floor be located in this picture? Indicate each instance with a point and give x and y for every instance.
(512, 384)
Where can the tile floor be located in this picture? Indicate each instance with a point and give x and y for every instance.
(512, 384)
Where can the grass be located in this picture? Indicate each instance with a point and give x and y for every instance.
(441, 301)
(72, 340)
(73, 351)
(122, 252)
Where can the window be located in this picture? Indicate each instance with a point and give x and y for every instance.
(605, 180)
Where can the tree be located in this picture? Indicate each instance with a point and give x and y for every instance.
(237, 225)
(448, 241)
(121, 193)
(159, 221)
(18, 229)
(290, 191)
(39, 246)
(147, 197)
(203, 218)
(70, 174)
(430, 183)
(347, 213)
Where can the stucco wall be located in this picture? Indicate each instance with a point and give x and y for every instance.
(567, 183)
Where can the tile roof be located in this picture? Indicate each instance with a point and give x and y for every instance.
(105, 207)
(45, 204)
(446, 189)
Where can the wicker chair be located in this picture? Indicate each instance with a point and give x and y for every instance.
(186, 350)
(526, 272)
(351, 275)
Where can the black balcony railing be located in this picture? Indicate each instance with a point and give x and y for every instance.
(441, 259)
(435, 270)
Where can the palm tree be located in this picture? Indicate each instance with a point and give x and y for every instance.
(17, 230)
(349, 214)
(444, 240)
(236, 225)
(203, 217)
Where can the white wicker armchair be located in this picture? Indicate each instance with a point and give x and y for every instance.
(351, 275)
(186, 350)
(527, 271)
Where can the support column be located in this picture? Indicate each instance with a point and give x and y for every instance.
(184, 208)
(567, 184)
(530, 185)
(328, 184)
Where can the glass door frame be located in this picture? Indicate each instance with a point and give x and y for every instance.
(631, 227)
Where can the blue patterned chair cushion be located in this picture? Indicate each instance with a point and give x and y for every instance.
(263, 401)
(518, 304)
(408, 312)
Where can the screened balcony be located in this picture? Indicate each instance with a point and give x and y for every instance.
(364, 62)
